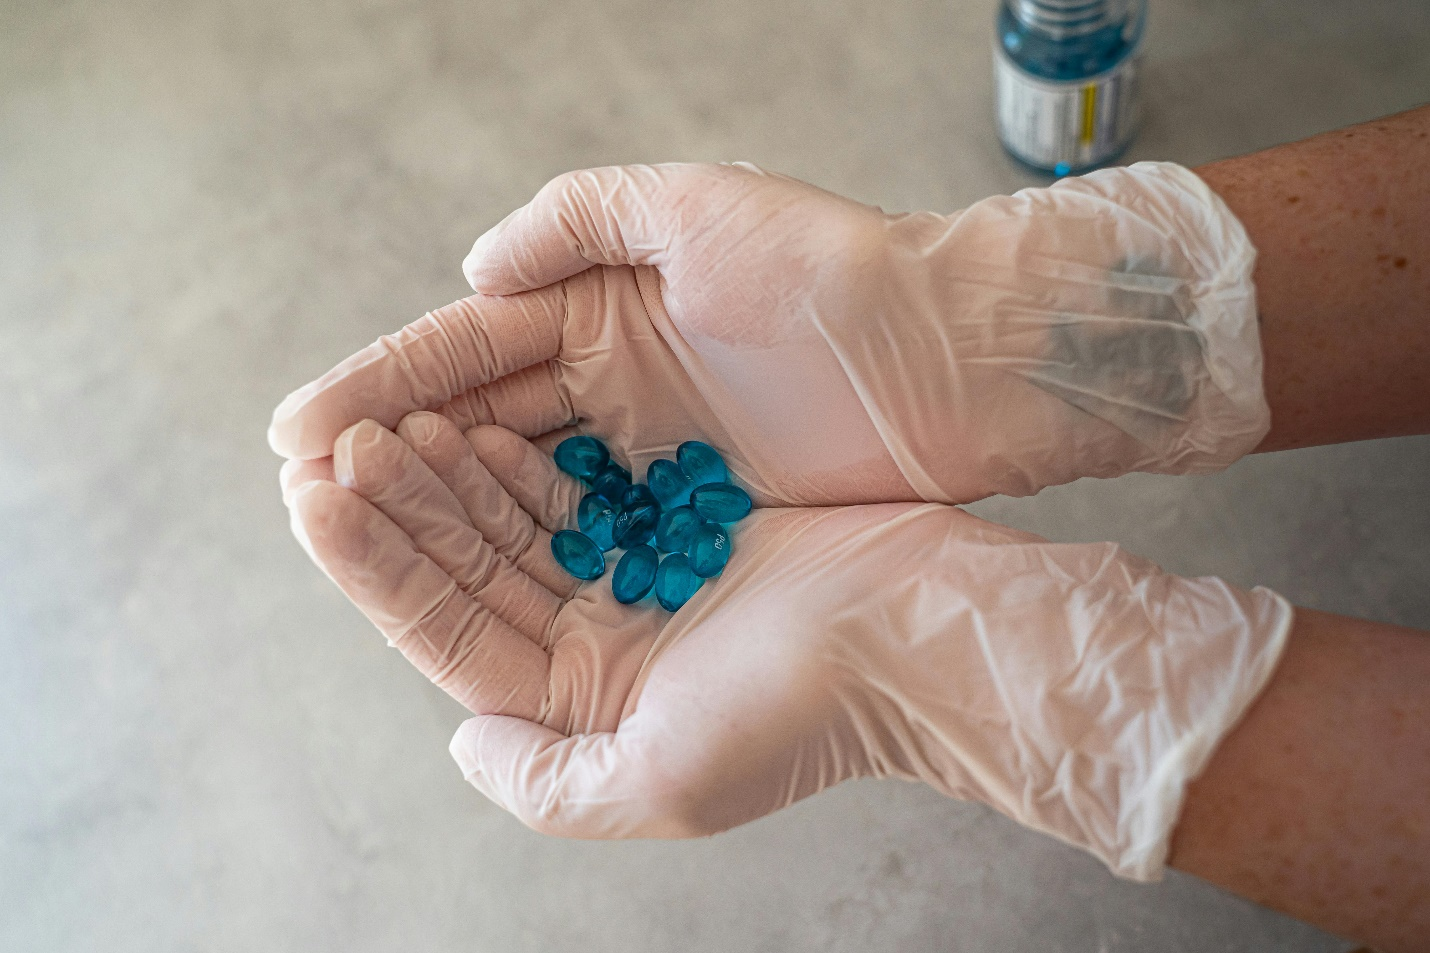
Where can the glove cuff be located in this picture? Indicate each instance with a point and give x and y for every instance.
(1100, 326)
(1228, 414)
(1236, 667)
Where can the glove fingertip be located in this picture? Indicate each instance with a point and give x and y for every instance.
(280, 429)
(291, 433)
(473, 268)
(276, 443)
(482, 267)
(463, 748)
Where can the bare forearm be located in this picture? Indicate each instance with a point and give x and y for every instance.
(1318, 802)
(1341, 224)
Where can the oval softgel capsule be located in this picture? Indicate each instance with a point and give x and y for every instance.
(578, 554)
(596, 518)
(669, 483)
(634, 575)
(638, 494)
(602, 531)
(612, 482)
(591, 508)
(582, 457)
(675, 583)
(709, 551)
(701, 463)
(636, 525)
(721, 502)
(676, 529)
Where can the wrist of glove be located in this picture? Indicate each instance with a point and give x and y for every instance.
(1075, 688)
(1104, 325)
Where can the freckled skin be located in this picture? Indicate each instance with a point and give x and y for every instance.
(1341, 224)
(1318, 802)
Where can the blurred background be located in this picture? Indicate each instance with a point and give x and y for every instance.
(204, 205)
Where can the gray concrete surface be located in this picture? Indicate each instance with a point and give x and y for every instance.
(203, 205)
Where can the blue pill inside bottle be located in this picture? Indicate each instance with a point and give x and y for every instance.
(611, 482)
(675, 583)
(1057, 40)
(676, 529)
(634, 575)
(578, 554)
(701, 463)
(582, 457)
(721, 502)
(669, 483)
(636, 525)
(709, 551)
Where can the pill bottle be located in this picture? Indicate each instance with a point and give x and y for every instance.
(1065, 80)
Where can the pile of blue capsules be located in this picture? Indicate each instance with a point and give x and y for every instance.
(672, 527)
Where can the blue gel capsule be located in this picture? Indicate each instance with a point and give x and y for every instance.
(634, 574)
(591, 508)
(577, 554)
(638, 494)
(636, 525)
(669, 483)
(721, 502)
(603, 531)
(676, 529)
(597, 519)
(701, 463)
(709, 551)
(674, 582)
(582, 457)
(611, 482)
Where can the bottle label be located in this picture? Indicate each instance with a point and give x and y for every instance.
(1064, 126)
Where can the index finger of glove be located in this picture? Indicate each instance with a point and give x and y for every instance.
(617, 215)
(445, 353)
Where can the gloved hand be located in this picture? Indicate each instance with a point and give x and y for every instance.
(836, 354)
(1075, 688)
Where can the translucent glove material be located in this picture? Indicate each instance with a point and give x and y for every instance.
(1075, 688)
(834, 353)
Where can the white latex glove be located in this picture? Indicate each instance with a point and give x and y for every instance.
(1075, 688)
(836, 354)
